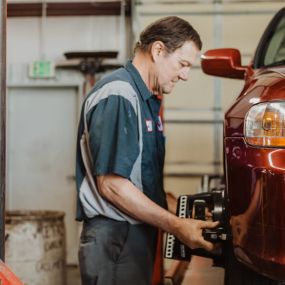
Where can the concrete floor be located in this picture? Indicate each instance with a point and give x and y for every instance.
(198, 272)
(201, 272)
(73, 277)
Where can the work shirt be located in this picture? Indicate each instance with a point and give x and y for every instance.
(126, 139)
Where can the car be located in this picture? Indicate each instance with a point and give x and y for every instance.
(254, 159)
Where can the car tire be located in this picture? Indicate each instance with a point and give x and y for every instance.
(238, 274)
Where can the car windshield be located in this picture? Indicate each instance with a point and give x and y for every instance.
(271, 50)
(275, 52)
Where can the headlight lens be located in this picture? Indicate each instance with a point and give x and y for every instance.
(265, 124)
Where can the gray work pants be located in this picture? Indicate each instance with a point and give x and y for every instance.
(116, 253)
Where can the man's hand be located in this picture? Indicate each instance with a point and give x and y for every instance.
(189, 231)
(117, 191)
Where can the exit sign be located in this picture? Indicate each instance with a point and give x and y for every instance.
(41, 69)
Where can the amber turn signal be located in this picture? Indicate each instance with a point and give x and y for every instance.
(265, 125)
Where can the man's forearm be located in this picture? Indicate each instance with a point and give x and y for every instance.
(129, 199)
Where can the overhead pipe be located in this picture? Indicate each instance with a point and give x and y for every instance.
(78, 8)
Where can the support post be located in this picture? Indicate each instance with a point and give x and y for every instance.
(3, 17)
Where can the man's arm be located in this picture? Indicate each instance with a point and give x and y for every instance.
(129, 199)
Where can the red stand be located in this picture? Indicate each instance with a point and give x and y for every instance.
(7, 277)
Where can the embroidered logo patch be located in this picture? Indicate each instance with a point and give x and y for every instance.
(159, 124)
(149, 125)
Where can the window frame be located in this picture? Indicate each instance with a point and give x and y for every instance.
(259, 57)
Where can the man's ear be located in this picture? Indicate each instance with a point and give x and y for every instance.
(157, 50)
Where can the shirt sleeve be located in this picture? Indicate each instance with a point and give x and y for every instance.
(114, 136)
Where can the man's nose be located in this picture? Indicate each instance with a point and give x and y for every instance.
(184, 73)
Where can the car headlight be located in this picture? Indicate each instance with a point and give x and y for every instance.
(265, 124)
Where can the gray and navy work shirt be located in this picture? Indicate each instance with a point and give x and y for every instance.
(126, 139)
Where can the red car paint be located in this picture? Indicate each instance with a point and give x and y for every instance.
(255, 175)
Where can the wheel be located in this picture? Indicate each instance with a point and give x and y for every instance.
(238, 274)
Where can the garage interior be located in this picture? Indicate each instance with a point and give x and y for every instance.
(55, 51)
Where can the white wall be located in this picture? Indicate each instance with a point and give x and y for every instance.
(43, 113)
(26, 41)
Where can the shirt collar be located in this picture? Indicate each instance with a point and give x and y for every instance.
(144, 91)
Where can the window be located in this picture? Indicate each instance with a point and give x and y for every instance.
(275, 51)
(271, 49)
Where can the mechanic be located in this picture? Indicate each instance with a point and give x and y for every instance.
(120, 158)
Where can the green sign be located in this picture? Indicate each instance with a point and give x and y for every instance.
(42, 69)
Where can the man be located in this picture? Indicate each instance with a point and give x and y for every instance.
(124, 207)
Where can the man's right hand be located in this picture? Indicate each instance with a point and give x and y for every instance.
(189, 232)
(117, 191)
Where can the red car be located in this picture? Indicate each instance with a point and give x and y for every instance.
(254, 159)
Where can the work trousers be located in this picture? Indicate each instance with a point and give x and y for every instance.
(116, 253)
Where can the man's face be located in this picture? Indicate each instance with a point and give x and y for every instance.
(172, 67)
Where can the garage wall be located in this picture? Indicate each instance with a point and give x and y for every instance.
(193, 113)
(43, 113)
(27, 41)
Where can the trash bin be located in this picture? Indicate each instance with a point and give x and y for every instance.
(35, 247)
